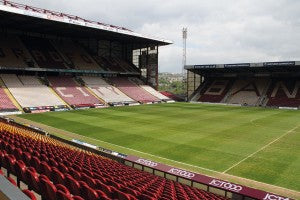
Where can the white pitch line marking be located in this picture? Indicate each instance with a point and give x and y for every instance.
(249, 156)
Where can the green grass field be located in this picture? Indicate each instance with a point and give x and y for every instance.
(254, 143)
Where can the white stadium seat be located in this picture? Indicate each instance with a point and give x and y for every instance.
(29, 92)
(105, 91)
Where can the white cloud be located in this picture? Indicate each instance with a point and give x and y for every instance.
(219, 31)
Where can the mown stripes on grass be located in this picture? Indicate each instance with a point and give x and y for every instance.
(209, 136)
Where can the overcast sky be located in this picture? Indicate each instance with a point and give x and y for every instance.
(219, 31)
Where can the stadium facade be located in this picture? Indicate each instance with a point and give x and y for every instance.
(52, 61)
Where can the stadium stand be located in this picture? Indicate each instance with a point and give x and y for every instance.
(6, 105)
(151, 90)
(115, 64)
(44, 53)
(104, 63)
(247, 91)
(72, 93)
(170, 95)
(107, 92)
(133, 90)
(284, 93)
(128, 67)
(216, 90)
(56, 170)
(252, 91)
(29, 91)
(13, 53)
(79, 58)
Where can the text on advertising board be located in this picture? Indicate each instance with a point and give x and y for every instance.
(226, 185)
(274, 197)
(182, 173)
(148, 163)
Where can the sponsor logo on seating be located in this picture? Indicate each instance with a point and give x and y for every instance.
(274, 197)
(182, 173)
(148, 163)
(226, 185)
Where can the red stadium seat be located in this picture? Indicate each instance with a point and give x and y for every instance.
(29, 194)
(77, 198)
(88, 192)
(48, 190)
(12, 181)
(45, 169)
(60, 195)
(20, 169)
(33, 181)
(57, 176)
(72, 184)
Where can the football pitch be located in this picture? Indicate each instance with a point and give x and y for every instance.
(252, 143)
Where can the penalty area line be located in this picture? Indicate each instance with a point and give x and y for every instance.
(262, 148)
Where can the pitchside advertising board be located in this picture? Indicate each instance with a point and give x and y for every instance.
(210, 181)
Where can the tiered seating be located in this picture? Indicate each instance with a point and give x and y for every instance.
(58, 171)
(72, 93)
(44, 53)
(247, 91)
(170, 95)
(79, 58)
(150, 89)
(6, 105)
(216, 91)
(13, 53)
(129, 67)
(29, 92)
(133, 91)
(114, 64)
(108, 93)
(284, 93)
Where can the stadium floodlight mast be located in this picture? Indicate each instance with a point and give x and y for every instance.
(184, 37)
